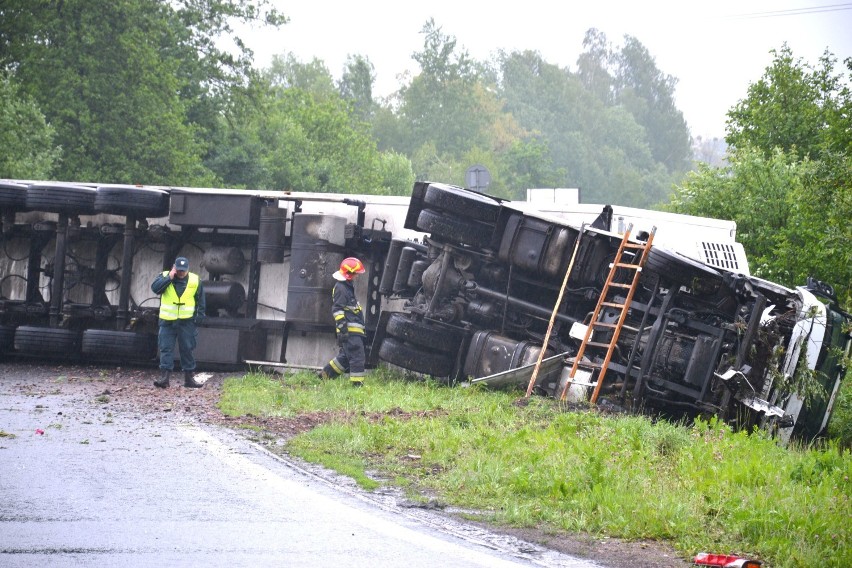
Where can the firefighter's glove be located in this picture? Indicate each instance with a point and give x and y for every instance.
(198, 319)
(342, 337)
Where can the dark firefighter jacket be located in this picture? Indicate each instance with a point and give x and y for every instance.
(346, 309)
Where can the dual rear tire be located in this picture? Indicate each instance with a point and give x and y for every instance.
(421, 346)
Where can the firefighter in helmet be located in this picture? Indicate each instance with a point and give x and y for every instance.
(349, 323)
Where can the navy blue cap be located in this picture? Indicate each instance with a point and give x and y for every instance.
(181, 263)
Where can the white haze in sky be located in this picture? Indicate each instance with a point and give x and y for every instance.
(714, 49)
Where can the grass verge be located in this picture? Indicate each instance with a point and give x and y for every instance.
(702, 488)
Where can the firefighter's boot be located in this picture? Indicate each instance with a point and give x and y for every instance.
(189, 381)
(356, 379)
(328, 371)
(163, 381)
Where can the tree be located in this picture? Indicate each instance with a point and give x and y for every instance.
(131, 86)
(795, 107)
(648, 94)
(356, 85)
(448, 115)
(597, 148)
(441, 103)
(593, 66)
(287, 72)
(396, 173)
(789, 189)
(25, 136)
(529, 164)
(293, 139)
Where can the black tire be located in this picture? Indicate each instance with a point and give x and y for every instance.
(454, 199)
(46, 340)
(119, 345)
(431, 336)
(62, 198)
(454, 229)
(680, 269)
(132, 200)
(13, 196)
(7, 338)
(415, 359)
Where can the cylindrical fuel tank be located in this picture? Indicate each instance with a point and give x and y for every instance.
(490, 353)
(537, 246)
(270, 235)
(223, 260)
(229, 296)
(316, 251)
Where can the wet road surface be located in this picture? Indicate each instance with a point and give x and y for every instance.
(84, 485)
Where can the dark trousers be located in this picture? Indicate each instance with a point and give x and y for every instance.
(350, 359)
(186, 335)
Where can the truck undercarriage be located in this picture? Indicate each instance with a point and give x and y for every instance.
(461, 286)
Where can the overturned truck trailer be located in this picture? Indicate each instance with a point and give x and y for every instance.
(78, 260)
(460, 286)
(648, 327)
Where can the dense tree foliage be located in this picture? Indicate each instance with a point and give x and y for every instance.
(610, 129)
(356, 85)
(291, 130)
(165, 104)
(795, 107)
(25, 136)
(445, 115)
(126, 83)
(788, 182)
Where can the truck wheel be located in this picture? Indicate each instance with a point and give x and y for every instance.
(109, 344)
(13, 196)
(680, 269)
(46, 340)
(433, 336)
(132, 200)
(62, 198)
(7, 338)
(450, 228)
(415, 359)
(454, 199)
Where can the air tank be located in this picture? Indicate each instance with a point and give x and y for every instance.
(316, 252)
(223, 260)
(228, 296)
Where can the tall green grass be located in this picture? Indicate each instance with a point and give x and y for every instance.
(704, 487)
(840, 426)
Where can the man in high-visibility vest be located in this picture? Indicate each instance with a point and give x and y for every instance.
(349, 323)
(182, 307)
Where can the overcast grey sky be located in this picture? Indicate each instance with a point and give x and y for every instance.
(714, 49)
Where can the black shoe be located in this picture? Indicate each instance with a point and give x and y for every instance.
(189, 381)
(163, 381)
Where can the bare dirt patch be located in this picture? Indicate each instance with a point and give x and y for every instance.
(131, 390)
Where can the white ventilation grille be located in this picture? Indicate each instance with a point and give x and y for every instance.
(720, 255)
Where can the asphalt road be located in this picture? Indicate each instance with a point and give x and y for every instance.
(82, 484)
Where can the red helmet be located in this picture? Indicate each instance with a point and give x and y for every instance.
(350, 267)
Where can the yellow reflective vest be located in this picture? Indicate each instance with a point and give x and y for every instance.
(173, 307)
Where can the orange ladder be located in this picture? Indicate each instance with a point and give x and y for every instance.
(607, 302)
